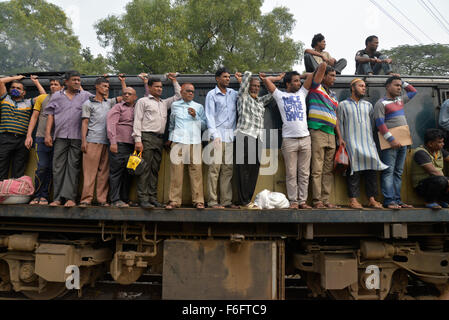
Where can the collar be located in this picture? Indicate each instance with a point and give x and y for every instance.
(218, 91)
(92, 99)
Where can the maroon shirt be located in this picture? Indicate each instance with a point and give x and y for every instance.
(120, 122)
(67, 113)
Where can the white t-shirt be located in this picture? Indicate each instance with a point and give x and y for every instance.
(293, 109)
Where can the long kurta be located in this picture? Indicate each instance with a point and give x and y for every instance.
(356, 126)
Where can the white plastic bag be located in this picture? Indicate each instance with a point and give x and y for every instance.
(272, 200)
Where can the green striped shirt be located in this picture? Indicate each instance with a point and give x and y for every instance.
(15, 116)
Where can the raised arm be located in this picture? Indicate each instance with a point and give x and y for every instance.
(317, 76)
(410, 92)
(4, 81)
(122, 79)
(176, 87)
(269, 81)
(144, 78)
(35, 80)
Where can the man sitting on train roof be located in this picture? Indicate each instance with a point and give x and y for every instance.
(369, 61)
(15, 113)
(313, 57)
(427, 170)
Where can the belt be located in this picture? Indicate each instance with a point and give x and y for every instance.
(161, 136)
(14, 134)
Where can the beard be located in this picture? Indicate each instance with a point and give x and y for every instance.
(359, 95)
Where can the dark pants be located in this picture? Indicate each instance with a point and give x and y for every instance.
(12, 152)
(119, 179)
(312, 65)
(370, 177)
(66, 169)
(152, 155)
(43, 175)
(247, 165)
(365, 68)
(433, 189)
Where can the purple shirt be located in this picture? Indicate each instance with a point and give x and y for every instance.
(67, 113)
(120, 122)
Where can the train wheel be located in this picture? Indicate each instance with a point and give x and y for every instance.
(52, 290)
(125, 275)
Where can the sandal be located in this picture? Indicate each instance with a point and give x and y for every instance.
(232, 206)
(433, 206)
(104, 204)
(355, 205)
(200, 206)
(251, 206)
(304, 206)
(319, 205)
(217, 206)
(34, 202)
(332, 206)
(84, 204)
(172, 205)
(376, 205)
(394, 206)
(43, 202)
(406, 206)
(294, 205)
(70, 204)
(55, 203)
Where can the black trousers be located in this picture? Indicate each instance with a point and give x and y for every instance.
(152, 155)
(433, 189)
(247, 164)
(370, 177)
(119, 179)
(12, 153)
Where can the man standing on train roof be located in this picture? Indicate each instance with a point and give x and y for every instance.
(296, 144)
(187, 119)
(43, 174)
(64, 112)
(221, 116)
(355, 116)
(15, 113)
(249, 135)
(390, 120)
(313, 57)
(150, 119)
(95, 144)
(323, 125)
(120, 120)
(369, 61)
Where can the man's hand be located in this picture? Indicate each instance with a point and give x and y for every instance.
(341, 142)
(167, 145)
(217, 143)
(122, 77)
(395, 145)
(172, 76)
(106, 76)
(238, 76)
(139, 147)
(280, 77)
(143, 77)
(192, 112)
(114, 148)
(48, 141)
(34, 79)
(28, 142)
(84, 146)
(262, 76)
(389, 61)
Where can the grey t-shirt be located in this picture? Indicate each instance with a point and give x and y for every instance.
(97, 113)
(40, 132)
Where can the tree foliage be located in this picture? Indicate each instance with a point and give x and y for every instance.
(37, 36)
(198, 36)
(429, 60)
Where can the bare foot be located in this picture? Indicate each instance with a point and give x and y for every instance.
(375, 205)
(70, 204)
(354, 204)
(55, 204)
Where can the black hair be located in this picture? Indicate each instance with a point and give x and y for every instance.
(221, 71)
(153, 80)
(70, 74)
(289, 76)
(433, 135)
(317, 39)
(329, 69)
(370, 39)
(391, 79)
(18, 81)
(101, 80)
(58, 79)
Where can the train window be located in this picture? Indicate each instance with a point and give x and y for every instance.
(444, 95)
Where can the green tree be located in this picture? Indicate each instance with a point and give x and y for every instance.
(37, 36)
(198, 36)
(421, 60)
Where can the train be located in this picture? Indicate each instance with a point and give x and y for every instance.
(237, 254)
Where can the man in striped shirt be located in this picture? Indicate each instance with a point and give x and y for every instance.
(322, 104)
(15, 115)
(355, 117)
(388, 114)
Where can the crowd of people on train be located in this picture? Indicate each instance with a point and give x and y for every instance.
(75, 132)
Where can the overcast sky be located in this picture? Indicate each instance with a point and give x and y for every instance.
(345, 24)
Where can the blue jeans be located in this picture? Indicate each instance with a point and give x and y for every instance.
(43, 175)
(392, 177)
(365, 68)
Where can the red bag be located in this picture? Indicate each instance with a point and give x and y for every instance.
(341, 162)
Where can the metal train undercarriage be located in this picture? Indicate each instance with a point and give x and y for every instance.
(225, 259)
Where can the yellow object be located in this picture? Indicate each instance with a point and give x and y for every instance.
(134, 161)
